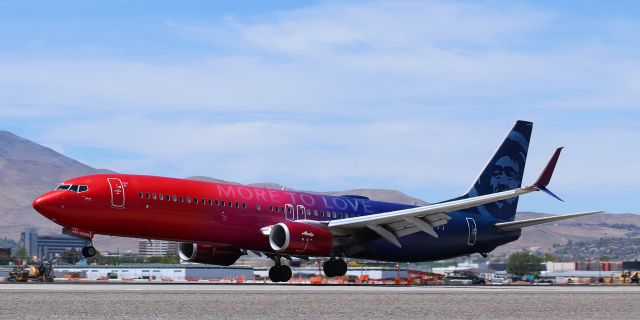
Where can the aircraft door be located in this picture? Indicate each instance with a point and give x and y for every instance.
(117, 192)
(473, 231)
(301, 212)
(289, 214)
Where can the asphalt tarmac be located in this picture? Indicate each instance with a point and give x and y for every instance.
(207, 301)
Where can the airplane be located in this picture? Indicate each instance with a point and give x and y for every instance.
(217, 223)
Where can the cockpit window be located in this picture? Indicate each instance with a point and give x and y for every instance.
(63, 187)
(83, 188)
(74, 188)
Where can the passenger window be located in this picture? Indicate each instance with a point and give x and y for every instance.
(83, 188)
(258, 206)
(154, 196)
(175, 198)
(74, 188)
(188, 199)
(202, 200)
(181, 199)
(210, 202)
(270, 208)
(63, 187)
(146, 195)
(161, 196)
(244, 205)
(195, 200)
(230, 204)
(315, 213)
(277, 209)
(237, 205)
(335, 215)
(216, 202)
(140, 195)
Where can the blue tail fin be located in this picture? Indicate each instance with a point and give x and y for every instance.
(504, 172)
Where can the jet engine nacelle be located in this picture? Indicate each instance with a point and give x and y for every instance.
(298, 238)
(208, 254)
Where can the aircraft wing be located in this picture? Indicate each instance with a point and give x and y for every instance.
(394, 224)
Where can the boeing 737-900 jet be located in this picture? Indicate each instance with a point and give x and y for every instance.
(216, 223)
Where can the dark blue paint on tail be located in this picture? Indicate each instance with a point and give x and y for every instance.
(504, 172)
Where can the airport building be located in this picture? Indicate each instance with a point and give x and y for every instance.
(164, 272)
(49, 246)
(156, 248)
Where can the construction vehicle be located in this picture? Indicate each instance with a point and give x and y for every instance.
(630, 277)
(37, 271)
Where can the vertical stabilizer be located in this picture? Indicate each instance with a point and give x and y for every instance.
(504, 172)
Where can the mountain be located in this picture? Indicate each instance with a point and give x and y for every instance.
(28, 169)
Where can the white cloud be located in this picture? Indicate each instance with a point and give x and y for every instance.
(338, 58)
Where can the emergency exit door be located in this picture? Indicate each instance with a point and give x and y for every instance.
(473, 232)
(117, 192)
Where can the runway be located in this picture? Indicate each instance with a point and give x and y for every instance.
(206, 301)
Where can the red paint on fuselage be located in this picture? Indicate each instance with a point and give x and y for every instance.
(164, 208)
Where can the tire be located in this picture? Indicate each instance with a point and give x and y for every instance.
(89, 252)
(285, 273)
(274, 274)
(329, 268)
(340, 267)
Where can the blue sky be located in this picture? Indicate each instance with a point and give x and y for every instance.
(407, 95)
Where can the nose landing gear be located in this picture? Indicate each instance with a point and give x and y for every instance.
(89, 252)
(334, 268)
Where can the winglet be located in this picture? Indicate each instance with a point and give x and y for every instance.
(545, 176)
(547, 191)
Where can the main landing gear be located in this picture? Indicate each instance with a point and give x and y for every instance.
(335, 268)
(89, 251)
(280, 272)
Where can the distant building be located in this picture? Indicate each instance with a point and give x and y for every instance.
(5, 255)
(156, 248)
(631, 265)
(49, 246)
(29, 239)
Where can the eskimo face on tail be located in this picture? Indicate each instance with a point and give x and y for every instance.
(504, 172)
(508, 170)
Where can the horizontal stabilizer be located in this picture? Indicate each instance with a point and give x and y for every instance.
(514, 225)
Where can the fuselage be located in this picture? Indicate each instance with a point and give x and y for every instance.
(182, 210)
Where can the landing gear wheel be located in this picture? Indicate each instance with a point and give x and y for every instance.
(274, 274)
(329, 268)
(284, 273)
(89, 252)
(340, 267)
(280, 273)
(335, 267)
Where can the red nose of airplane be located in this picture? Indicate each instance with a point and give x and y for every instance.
(48, 203)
